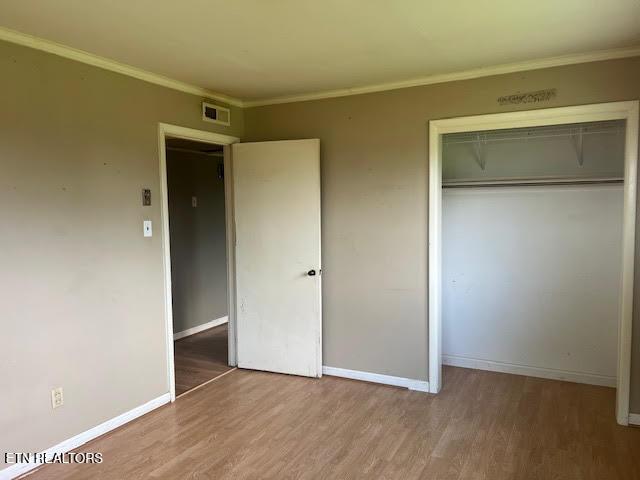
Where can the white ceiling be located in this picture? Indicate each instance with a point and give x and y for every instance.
(257, 49)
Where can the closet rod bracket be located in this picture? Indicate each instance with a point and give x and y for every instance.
(479, 153)
(577, 139)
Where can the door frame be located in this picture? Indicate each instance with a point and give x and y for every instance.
(165, 131)
(627, 111)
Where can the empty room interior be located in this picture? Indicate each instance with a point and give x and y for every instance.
(320, 240)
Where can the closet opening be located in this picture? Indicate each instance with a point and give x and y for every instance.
(532, 248)
(532, 244)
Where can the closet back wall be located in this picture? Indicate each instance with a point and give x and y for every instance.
(531, 280)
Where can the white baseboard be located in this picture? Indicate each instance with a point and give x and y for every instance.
(549, 373)
(200, 328)
(411, 384)
(634, 419)
(74, 442)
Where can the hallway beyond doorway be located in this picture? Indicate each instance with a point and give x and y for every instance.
(200, 358)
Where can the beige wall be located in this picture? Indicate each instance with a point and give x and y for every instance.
(81, 288)
(198, 239)
(374, 218)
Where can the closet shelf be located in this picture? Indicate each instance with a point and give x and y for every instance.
(518, 182)
(513, 134)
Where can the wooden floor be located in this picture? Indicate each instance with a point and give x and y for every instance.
(200, 357)
(483, 425)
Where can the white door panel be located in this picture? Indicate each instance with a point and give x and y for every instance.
(277, 219)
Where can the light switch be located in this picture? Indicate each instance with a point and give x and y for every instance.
(194, 202)
(146, 228)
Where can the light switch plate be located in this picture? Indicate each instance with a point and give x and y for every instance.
(194, 202)
(147, 228)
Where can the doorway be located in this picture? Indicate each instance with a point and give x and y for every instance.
(197, 234)
(198, 260)
(269, 328)
(555, 118)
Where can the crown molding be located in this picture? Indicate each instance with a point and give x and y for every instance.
(54, 48)
(455, 76)
(48, 46)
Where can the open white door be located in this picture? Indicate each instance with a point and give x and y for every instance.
(276, 192)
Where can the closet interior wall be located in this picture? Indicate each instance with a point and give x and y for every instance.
(532, 236)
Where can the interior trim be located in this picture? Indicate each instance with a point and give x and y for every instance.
(634, 419)
(529, 371)
(17, 469)
(410, 383)
(165, 131)
(456, 76)
(200, 328)
(60, 50)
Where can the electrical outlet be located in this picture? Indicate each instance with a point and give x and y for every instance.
(57, 398)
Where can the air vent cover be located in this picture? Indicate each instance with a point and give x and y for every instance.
(216, 114)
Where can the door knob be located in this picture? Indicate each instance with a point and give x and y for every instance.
(311, 273)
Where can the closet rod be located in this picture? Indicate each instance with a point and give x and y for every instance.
(527, 183)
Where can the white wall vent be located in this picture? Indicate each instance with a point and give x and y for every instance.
(216, 114)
